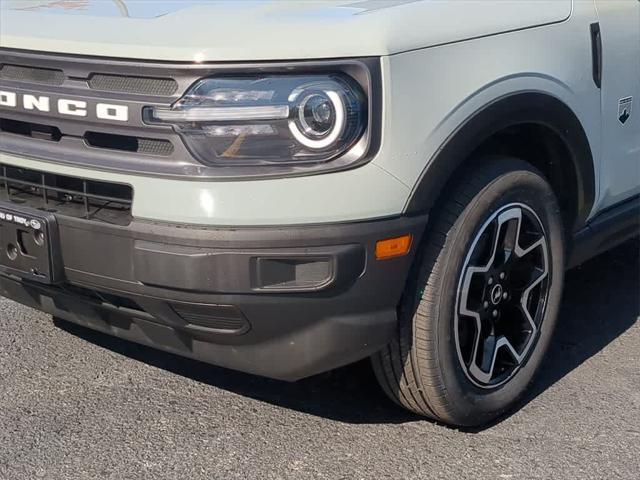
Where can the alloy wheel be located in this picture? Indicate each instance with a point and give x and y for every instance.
(502, 295)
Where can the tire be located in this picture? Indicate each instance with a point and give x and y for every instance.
(440, 363)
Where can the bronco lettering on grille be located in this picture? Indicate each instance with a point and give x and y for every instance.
(75, 108)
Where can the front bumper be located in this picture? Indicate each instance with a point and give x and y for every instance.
(284, 302)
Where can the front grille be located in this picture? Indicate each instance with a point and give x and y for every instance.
(30, 129)
(128, 84)
(65, 195)
(162, 87)
(45, 76)
(108, 141)
(126, 143)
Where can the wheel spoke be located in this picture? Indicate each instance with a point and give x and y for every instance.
(490, 348)
(509, 222)
(488, 354)
(524, 302)
(510, 240)
(540, 243)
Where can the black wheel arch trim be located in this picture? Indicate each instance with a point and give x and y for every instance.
(508, 111)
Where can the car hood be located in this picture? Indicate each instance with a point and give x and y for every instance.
(232, 30)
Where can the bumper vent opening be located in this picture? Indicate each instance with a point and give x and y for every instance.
(213, 318)
(64, 195)
(292, 273)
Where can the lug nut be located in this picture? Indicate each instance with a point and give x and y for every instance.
(485, 304)
(495, 313)
(38, 237)
(505, 295)
(12, 251)
(502, 275)
(490, 281)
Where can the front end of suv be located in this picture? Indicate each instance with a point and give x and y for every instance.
(225, 212)
(286, 187)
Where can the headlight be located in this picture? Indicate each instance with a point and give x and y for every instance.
(266, 120)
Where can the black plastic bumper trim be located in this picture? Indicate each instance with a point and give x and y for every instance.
(193, 291)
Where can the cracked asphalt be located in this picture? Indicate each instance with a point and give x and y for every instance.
(75, 404)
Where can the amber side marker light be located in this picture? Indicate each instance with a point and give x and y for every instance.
(393, 247)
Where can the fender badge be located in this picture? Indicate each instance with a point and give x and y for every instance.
(624, 109)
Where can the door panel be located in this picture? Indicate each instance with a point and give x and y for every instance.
(620, 35)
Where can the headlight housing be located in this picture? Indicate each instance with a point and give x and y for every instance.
(268, 119)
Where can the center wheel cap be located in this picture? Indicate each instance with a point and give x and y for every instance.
(496, 294)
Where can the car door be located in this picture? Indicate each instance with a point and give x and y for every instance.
(619, 31)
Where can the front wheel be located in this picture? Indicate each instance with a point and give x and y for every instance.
(478, 313)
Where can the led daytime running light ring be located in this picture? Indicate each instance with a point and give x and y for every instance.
(333, 135)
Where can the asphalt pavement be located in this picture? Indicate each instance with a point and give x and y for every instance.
(75, 404)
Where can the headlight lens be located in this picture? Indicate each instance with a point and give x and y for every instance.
(268, 120)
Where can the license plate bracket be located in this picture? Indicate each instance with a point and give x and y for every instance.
(29, 245)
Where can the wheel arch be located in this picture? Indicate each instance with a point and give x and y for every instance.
(552, 117)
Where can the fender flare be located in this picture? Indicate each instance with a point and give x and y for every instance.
(508, 111)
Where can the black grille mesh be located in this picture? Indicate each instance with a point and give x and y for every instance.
(134, 85)
(32, 75)
(152, 146)
(97, 81)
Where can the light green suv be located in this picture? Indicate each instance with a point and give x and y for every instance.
(285, 187)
